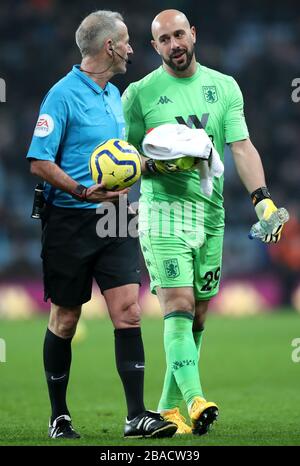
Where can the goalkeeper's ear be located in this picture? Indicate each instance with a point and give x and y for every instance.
(193, 33)
(154, 45)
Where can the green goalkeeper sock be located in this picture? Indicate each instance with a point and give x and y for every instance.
(182, 376)
(171, 395)
(198, 340)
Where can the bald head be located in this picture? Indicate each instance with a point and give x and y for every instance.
(173, 40)
(167, 19)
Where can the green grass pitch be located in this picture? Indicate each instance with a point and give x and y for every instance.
(246, 367)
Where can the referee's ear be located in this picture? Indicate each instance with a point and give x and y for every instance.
(108, 46)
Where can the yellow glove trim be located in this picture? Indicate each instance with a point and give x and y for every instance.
(264, 209)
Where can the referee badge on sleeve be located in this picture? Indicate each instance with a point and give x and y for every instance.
(44, 126)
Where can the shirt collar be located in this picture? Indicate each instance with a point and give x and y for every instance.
(183, 80)
(88, 81)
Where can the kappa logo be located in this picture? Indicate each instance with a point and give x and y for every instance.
(44, 126)
(164, 100)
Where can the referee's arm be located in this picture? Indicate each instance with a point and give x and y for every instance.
(54, 175)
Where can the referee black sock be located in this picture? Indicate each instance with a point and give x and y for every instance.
(57, 362)
(130, 361)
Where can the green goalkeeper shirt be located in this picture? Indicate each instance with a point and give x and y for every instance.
(209, 100)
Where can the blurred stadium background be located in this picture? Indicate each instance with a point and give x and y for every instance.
(257, 42)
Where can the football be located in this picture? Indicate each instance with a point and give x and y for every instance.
(116, 164)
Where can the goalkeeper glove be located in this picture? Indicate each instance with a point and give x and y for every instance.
(264, 208)
(157, 166)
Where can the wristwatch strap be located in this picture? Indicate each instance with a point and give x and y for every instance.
(151, 167)
(79, 193)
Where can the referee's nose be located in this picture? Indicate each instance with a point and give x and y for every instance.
(129, 49)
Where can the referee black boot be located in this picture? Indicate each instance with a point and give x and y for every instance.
(149, 424)
(62, 427)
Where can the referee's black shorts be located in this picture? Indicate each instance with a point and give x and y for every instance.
(73, 254)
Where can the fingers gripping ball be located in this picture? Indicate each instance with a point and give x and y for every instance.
(116, 164)
(186, 163)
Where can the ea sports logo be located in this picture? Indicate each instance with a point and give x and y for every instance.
(44, 126)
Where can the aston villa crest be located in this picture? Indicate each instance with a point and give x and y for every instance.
(210, 94)
(172, 268)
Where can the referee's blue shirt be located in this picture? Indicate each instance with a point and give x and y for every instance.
(75, 116)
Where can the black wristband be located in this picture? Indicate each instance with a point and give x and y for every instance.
(150, 165)
(79, 193)
(260, 194)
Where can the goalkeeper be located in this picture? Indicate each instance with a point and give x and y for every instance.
(185, 268)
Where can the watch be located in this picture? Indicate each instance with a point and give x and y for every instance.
(151, 167)
(79, 193)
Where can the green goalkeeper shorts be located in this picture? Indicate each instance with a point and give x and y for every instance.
(176, 261)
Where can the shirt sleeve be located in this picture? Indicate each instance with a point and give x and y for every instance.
(50, 128)
(235, 123)
(134, 121)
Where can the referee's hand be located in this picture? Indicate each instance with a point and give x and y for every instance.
(97, 193)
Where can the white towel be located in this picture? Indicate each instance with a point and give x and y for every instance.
(173, 141)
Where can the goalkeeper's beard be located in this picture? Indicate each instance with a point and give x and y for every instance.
(184, 66)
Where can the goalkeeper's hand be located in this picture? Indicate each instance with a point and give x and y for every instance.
(165, 167)
(159, 166)
(264, 208)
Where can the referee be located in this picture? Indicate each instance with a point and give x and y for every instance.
(80, 111)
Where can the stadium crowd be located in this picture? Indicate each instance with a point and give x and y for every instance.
(257, 44)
